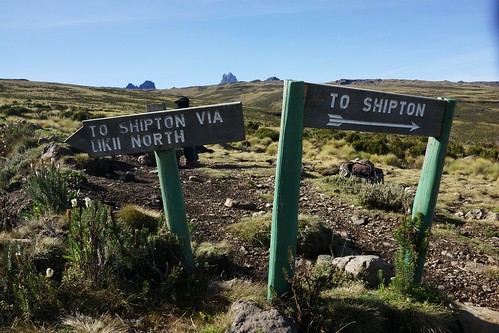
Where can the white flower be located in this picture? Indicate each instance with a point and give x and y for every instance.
(88, 202)
(74, 203)
(49, 273)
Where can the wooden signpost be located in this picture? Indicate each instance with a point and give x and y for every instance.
(161, 132)
(334, 107)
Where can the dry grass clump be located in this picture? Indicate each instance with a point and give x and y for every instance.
(105, 323)
(476, 166)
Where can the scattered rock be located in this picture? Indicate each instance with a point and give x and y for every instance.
(359, 220)
(147, 160)
(230, 203)
(366, 268)
(48, 139)
(248, 317)
(128, 177)
(474, 214)
(491, 216)
(477, 320)
(54, 151)
(195, 179)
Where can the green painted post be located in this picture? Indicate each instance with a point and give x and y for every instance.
(287, 190)
(429, 181)
(173, 202)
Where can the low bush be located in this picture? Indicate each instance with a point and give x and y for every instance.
(477, 166)
(48, 189)
(385, 197)
(132, 217)
(313, 236)
(265, 132)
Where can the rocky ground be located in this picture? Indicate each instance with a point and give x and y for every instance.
(456, 269)
(453, 267)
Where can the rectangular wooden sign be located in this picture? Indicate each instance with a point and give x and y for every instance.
(160, 130)
(334, 107)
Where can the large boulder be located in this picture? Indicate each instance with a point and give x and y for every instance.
(366, 268)
(248, 317)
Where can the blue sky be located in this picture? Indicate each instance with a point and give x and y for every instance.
(179, 43)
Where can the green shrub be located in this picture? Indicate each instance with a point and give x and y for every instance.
(412, 243)
(121, 254)
(265, 132)
(91, 245)
(16, 111)
(25, 293)
(12, 132)
(251, 127)
(313, 236)
(386, 197)
(48, 190)
(484, 152)
(132, 217)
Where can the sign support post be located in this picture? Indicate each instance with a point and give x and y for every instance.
(172, 195)
(287, 191)
(173, 202)
(429, 181)
(335, 107)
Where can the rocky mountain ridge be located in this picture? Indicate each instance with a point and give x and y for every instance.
(147, 85)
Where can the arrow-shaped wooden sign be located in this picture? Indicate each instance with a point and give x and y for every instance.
(160, 130)
(371, 111)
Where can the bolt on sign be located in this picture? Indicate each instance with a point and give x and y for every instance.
(334, 107)
(160, 130)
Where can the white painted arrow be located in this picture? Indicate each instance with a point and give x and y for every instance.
(337, 120)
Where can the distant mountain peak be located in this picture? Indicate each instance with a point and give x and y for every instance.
(228, 78)
(147, 85)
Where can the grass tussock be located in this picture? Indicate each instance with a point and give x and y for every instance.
(475, 166)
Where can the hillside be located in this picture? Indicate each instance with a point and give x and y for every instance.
(476, 119)
(85, 243)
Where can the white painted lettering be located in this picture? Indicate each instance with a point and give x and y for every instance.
(179, 120)
(179, 136)
(92, 129)
(147, 140)
(411, 108)
(157, 139)
(94, 148)
(136, 141)
(402, 106)
(344, 101)
(378, 105)
(200, 117)
(168, 120)
(147, 123)
(103, 130)
(333, 99)
(134, 126)
(420, 110)
(123, 128)
(116, 143)
(393, 105)
(367, 104)
(217, 118)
